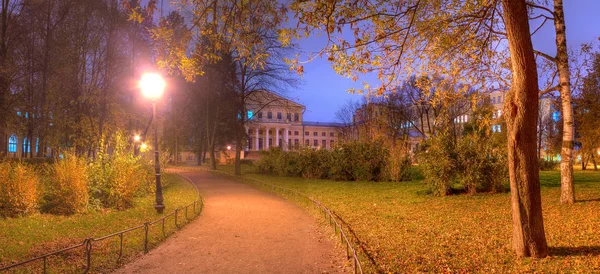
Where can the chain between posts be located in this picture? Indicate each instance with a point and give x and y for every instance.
(88, 243)
(329, 216)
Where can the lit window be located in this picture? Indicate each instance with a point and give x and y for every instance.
(499, 113)
(26, 145)
(12, 143)
(250, 114)
(556, 116)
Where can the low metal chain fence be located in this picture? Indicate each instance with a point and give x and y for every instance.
(88, 244)
(327, 213)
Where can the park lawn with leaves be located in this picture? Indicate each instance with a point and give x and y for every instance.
(27, 237)
(399, 228)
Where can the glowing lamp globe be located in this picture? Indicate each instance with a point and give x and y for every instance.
(152, 85)
(136, 138)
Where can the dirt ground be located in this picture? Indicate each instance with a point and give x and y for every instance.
(243, 230)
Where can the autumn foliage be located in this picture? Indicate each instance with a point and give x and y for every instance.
(18, 190)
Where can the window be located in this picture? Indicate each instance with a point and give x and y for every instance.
(249, 114)
(331, 143)
(307, 142)
(296, 117)
(289, 142)
(12, 143)
(499, 100)
(296, 142)
(279, 115)
(296, 133)
(270, 142)
(493, 100)
(331, 134)
(260, 131)
(269, 115)
(499, 112)
(323, 134)
(289, 116)
(324, 143)
(315, 133)
(26, 145)
(306, 133)
(260, 115)
(316, 143)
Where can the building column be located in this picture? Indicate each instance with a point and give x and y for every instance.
(256, 139)
(266, 145)
(276, 137)
(285, 141)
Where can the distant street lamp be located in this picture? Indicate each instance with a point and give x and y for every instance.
(228, 147)
(153, 86)
(136, 138)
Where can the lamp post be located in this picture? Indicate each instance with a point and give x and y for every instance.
(153, 86)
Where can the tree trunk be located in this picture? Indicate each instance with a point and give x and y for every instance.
(567, 189)
(213, 160)
(522, 108)
(4, 84)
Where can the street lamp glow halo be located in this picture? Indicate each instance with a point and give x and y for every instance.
(152, 85)
(136, 138)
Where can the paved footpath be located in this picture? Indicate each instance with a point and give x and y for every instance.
(243, 230)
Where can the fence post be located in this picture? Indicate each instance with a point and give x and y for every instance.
(44, 265)
(163, 226)
(120, 246)
(88, 250)
(145, 237)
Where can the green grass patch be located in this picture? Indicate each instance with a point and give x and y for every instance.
(27, 237)
(401, 229)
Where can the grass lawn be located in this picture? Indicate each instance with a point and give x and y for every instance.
(403, 230)
(27, 237)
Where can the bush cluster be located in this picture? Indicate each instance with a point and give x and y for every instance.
(471, 163)
(116, 178)
(351, 161)
(66, 190)
(18, 190)
(547, 164)
(75, 184)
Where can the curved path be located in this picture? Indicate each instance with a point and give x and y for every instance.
(242, 230)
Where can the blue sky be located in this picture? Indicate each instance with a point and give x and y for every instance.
(323, 91)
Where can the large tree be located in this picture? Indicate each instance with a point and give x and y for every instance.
(457, 39)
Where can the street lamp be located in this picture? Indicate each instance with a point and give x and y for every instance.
(153, 86)
(136, 138)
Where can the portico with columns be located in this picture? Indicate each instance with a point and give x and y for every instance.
(275, 121)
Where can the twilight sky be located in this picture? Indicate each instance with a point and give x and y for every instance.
(323, 91)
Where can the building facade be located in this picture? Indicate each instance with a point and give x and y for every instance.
(276, 121)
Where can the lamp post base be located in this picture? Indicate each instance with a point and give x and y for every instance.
(159, 208)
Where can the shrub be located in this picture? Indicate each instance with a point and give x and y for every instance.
(315, 163)
(398, 165)
(438, 164)
(18, 190)
(117, 178)
(547, 164)
(66, 186)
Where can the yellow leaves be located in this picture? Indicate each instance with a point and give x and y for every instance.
(136, 16)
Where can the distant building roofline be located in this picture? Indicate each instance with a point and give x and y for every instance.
(322, 124)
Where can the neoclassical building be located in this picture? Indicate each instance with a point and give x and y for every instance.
(276, 121)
